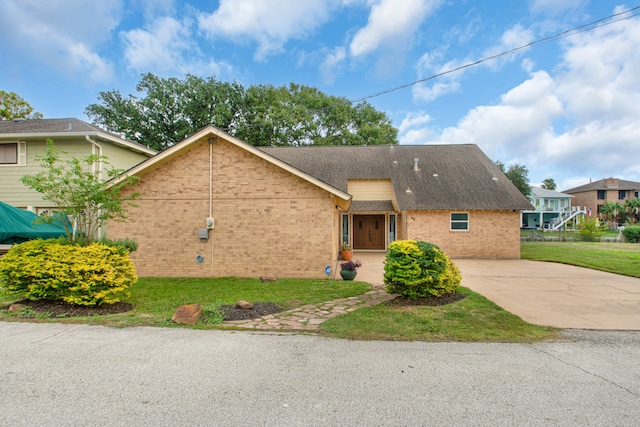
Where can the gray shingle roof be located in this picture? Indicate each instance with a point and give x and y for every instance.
(53, 127)
(449, 177)
(602, 185)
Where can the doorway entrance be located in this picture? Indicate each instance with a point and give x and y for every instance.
(368, 232)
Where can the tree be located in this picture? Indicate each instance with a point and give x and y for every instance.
(518, 174)
(611, 211)
(549, 184)
(632, 210)
(77, 191)
(172, 109)
(12, 106)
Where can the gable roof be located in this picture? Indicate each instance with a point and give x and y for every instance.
(212, 131)
(449, 177)
(606, 184)
(549, 194)
(51, 128)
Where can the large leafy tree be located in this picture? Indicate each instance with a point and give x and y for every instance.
(78, 191)
(518, 174)
(632, 210)
(612, 211)
(171, 109)
(13, 106)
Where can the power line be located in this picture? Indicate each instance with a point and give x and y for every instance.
(567, 33)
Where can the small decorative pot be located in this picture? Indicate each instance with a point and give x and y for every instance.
(348, 274)
(346, 255)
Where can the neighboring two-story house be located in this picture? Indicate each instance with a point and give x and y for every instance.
(595, 194)
(552, 209)
(22, 140)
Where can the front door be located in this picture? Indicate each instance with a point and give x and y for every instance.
(368, 232)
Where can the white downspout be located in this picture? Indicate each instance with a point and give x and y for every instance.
(211, 198)
(96, 149)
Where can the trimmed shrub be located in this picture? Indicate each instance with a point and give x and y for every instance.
(631, 233)
(83, 275)
(417, 269)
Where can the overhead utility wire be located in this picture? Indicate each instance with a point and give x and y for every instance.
(576, 30)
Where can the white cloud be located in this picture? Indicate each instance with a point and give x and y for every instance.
(392, 24)
(167, 48)
(66, 34)
(270, 24)
(330, 64)
(580, 121)
(412, 130)
(512, 38)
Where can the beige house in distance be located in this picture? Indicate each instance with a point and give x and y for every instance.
(22, 140)
(216, 206)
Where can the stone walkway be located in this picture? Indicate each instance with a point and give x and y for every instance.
(309, 317)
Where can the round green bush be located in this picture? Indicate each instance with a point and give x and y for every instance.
(631, 233)
(417, 269)
(52, 270)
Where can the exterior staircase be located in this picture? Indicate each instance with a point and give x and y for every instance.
(566, 216)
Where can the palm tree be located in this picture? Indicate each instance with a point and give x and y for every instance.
(610, 211)
(632, 210)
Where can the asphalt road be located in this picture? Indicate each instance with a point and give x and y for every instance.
(77, 375)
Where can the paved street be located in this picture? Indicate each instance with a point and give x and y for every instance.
(75, 375)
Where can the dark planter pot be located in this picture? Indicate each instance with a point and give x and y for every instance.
(348, 274)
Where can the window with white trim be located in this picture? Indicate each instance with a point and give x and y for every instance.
(459, 221)
(13, 153)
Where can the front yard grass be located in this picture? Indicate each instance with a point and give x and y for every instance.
(157, 299)
(473, 318)
(620, 258)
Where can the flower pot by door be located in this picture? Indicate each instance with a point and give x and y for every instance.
(348, 274)
(347, 255)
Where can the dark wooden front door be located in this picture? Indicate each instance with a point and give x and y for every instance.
(368, 232)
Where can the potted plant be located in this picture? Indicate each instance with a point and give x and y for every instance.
(349, 269)
(346, 251)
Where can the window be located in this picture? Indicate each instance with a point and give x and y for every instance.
(602, 194)
(635, 194)
(622, 194)
(459, 221)
(9, 153)
(345, 229)
(13, 153)
(392, 228)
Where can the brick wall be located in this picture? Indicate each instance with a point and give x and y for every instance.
(268, 222)
(491, 234)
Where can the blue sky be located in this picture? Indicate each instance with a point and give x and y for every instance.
(568, 109)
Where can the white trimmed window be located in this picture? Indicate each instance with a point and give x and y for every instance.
(13, 153)
(459, 221)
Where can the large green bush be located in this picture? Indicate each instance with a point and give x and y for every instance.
(631, 233)
(52, 270)
(416, 269)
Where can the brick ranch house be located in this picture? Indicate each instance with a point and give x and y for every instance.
(215, 206)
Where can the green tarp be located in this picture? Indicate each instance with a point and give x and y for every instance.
(17, 226)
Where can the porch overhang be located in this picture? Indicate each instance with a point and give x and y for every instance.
(371, 206)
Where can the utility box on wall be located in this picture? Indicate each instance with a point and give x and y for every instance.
(203, 233)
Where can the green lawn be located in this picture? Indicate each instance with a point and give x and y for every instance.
(474, 318)
(621, 258)
(156, 299)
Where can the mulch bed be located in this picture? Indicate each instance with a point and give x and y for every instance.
(231, 312)
(55, 309)
(430, 301)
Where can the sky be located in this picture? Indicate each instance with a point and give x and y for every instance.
(567, 108)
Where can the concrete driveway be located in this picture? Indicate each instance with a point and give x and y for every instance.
(543, 293)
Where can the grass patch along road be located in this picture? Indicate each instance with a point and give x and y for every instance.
(155, 300)
(473, 318)
(620, 258)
